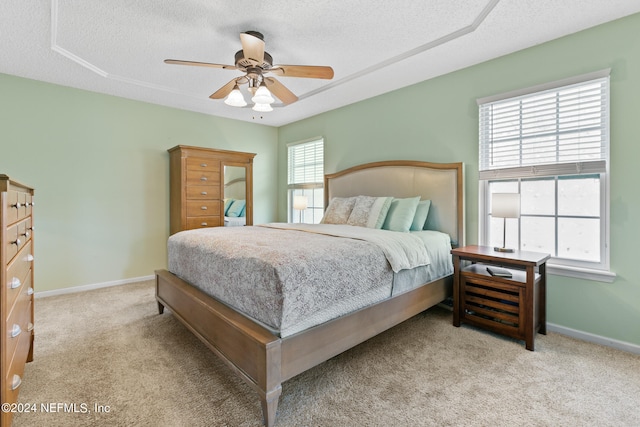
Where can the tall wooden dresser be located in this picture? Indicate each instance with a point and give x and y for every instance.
(197, 185)
(16, 293)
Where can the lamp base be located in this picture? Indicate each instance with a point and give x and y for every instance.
(497, 249)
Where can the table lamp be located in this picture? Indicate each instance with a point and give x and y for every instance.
(505, 205)
(300, 204)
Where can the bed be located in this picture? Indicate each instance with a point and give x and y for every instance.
(265, 356)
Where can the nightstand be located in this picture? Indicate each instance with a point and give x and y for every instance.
(514, 306)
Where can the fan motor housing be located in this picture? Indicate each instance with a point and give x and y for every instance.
(243, 63)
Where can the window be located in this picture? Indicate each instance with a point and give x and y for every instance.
(306, 181)
(550, 144)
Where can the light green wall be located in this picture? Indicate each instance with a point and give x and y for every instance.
(101, 172)
(437, 120)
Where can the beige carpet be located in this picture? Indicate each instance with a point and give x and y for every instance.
(109, 347)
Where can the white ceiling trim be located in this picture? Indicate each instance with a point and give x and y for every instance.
(88, 65)
(408, 54)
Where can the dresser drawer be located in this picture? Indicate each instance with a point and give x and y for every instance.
(13, 379)
(203, 222)
(24, 232)
(203, 178)
(13, 294)
(203, 208)
(11, 242)
(19, 321)
(20, 264)
(203, 164)
(12, 206)
(203, 192)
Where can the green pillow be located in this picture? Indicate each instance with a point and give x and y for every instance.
(420, 218)
(236, 208)
(227, 205)
(400, 215)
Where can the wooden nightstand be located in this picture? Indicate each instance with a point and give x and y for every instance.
(514, 306)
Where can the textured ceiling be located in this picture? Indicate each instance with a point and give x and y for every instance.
(117, 47)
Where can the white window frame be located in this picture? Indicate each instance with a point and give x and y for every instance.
(313, 180)
(599, 271)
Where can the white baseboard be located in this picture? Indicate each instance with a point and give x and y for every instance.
(83, 288)
(597, 339)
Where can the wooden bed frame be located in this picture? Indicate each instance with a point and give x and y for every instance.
(265, 360)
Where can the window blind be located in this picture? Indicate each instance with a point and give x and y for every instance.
(306, 162)
(558, 131)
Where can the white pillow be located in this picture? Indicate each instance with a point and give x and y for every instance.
(338, 210)
(369, 211)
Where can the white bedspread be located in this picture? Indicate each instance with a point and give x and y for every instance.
(402, 250)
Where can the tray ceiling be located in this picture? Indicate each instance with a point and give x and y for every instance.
(118, 47)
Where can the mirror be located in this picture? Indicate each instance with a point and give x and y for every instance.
(235, 184)
(237, 196)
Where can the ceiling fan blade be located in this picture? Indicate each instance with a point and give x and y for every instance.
(199, 64)
(308, 71)
(224, 90)
(253, 48)
(279, 90)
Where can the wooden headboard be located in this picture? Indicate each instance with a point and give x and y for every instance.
(442, 183)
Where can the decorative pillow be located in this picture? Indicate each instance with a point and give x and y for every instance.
(420, 218)
(338, 210)
(227, 205)
(236, 208)
(369, 211)
(400, 215)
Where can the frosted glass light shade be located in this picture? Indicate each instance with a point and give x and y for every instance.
(505, 205)
(235, 98)
(263, 96)
(300, 203)
(262, 107)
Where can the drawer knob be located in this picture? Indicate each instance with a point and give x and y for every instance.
(30, 291)
(204, 193)
(25, 234)
(17, 205)
(204, 208)
(15, 383)
(15, 331)
(30, 327)
(15, 283)
(203, 224)
(17, 242)
(203, 178)
(29, 258)
(204, 165)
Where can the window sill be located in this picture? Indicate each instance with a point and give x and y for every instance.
(581, 273)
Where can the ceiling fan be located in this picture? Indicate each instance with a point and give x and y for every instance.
(256, 63)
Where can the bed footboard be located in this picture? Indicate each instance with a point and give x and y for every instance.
(247, 348)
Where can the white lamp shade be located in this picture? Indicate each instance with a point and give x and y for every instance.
(505, 205)
(263, 96)
(235, 98)
(299, 203)
(262, 107)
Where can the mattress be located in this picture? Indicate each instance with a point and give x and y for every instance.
(290, 278)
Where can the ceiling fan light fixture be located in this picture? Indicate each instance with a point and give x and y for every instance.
(263, 108)
(235, 98)
(263, 96)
